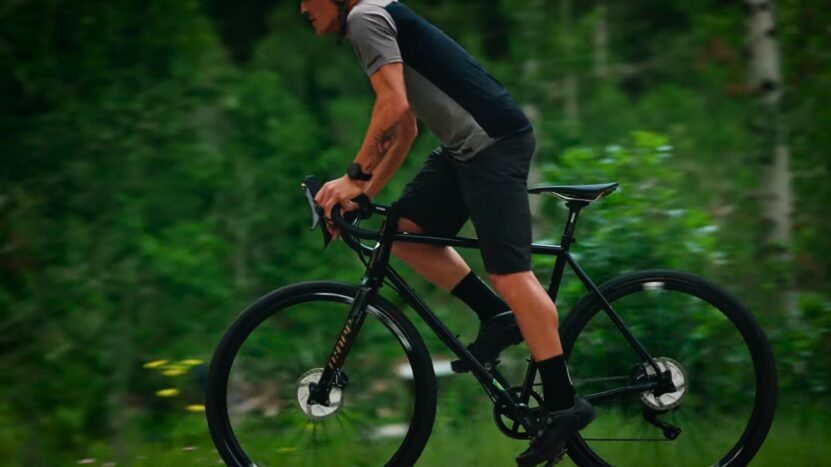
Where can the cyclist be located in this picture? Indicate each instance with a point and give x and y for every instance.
(480, 171)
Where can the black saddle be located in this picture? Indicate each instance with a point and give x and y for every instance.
(585, 193)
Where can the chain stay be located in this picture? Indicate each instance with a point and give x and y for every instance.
(630, 440)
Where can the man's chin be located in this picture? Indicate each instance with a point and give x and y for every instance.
(326, 31)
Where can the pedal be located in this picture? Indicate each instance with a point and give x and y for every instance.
(491, 365)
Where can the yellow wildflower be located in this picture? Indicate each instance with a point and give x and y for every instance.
(191, 362)
(169, 392)
(155, 364)
(173, 372)
(195, 408)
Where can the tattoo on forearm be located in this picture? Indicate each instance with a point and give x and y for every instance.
(383, 143)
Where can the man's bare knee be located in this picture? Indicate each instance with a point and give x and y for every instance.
(403, 250)
(406, 225)
(504, 282)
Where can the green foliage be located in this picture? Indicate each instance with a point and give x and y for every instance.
(149, 187)
(646, 223)
(801, 349)
(808, 111)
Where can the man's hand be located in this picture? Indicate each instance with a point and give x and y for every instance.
(338, 191)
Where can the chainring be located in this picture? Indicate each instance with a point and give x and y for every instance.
(506, 423)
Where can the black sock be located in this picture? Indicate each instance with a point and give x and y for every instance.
(558, 393)
(479, 297)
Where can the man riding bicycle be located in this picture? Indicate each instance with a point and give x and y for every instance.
(479, 172)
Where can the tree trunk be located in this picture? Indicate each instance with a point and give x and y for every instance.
(776, 192)
(766, 78)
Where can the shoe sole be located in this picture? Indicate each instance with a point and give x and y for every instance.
(557, 458)
(552, 454)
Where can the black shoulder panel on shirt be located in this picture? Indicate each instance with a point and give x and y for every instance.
(446, 64)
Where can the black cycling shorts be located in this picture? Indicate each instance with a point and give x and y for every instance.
(490, 188)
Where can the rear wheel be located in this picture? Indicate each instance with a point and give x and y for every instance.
(721, 365)
(258, 385)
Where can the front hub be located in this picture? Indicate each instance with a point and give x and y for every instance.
(316, 411)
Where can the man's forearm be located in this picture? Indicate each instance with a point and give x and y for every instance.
(389, 137)
(391, 121)
(390, 165)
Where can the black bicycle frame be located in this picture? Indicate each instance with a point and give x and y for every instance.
(379, 269)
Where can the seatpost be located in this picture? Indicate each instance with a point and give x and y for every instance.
(567, 240)
(574, 208)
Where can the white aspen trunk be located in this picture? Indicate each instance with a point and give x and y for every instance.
(766, 78)
(776, 190)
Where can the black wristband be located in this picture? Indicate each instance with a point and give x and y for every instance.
(354, 172)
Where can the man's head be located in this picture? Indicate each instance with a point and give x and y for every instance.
(324, 15)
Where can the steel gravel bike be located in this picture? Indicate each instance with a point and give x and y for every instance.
(328, 373)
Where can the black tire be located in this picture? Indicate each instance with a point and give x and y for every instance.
(252, 396)
(727, 363)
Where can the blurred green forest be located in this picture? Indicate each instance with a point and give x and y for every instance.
(151, 154)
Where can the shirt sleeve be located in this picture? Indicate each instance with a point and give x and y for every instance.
(373, 35)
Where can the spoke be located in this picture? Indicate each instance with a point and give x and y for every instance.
(269, 424)
(690, 336)
(345, 424)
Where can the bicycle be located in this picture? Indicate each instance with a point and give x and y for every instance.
(657, 352)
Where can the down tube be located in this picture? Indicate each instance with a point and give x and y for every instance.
(494, 389)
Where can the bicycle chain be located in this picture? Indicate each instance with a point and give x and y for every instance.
(617, 440)
(629, 440)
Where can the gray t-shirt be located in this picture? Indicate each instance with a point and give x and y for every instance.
(457, 99)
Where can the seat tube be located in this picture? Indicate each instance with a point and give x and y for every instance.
(568, 239)
(566, 242)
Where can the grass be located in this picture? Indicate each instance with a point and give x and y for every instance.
(794, 440)
(471, 439)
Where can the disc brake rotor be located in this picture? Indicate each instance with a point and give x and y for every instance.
(317, 411)
(669, 400)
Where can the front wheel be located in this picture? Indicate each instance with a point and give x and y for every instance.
(720, 406)
(381, 411)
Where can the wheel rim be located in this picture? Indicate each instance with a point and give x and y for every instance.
(719, 369)
(265, 417)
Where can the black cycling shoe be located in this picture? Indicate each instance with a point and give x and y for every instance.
(557, 427)
(495, 335)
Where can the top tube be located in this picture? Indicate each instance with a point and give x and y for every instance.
(346, 227)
